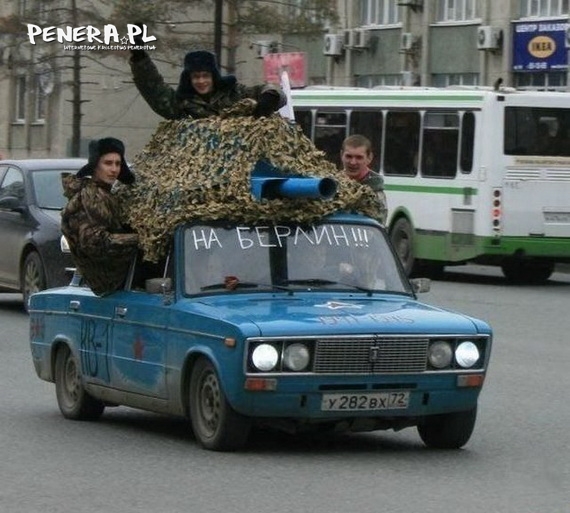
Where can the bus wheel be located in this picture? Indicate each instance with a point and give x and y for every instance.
(402, 237)
(216, 425)
(448, 430)
(527, 272)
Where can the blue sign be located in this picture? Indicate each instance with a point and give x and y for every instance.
(540, 46)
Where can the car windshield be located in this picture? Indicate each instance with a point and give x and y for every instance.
(291, 257)
(48, 188)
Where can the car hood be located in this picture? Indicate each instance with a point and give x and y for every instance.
(53, 215)
(342, 314)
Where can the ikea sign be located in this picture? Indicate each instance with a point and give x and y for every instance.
(539, 46)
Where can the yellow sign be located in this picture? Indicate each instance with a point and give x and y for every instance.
(541, 47)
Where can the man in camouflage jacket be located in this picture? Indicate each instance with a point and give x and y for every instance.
(356, 156)
(202, 91)
(92, 221)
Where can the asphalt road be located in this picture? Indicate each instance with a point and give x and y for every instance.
(518, 460)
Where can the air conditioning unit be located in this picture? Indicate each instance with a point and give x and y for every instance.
(489, 38)
(414, 4)
(349, 38)
(406, 41)
(361, 38)
(333, 44)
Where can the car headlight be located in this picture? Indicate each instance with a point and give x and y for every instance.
(296, 357)
(440, 354)
(64, 245)
(264, 357)
(466, 354)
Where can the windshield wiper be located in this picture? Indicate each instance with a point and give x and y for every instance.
(244, 284)
(320, 282)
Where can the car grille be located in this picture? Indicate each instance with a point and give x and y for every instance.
(370, 355)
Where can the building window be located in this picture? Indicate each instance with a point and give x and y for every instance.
(21, 96)
(458, 10)
(552, 81)
(379, 12)
(543, 8)
(394, 79)
(40, 101)
(453, 79)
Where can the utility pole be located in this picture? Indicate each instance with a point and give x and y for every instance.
(218, 16)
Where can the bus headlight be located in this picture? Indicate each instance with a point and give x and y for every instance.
(466, 354)
(264, 357)
(296, 357)
(440, 354)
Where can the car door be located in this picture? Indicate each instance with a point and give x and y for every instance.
(14, 224)
(89, 319)
(139, 343)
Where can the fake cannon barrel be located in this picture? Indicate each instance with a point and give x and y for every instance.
(268, 182)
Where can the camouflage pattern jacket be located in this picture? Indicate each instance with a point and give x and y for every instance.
(376, 183)
(100, 245)
(170, 104)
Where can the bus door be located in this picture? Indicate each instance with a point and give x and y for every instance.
(447, 163)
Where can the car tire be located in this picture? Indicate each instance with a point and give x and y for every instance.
(73, 400)
(216, 425)
(448, 430)
(33, 277)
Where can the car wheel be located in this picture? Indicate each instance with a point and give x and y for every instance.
(73, 400)
(216, 425)
(33, 277)
(402, 237)
(449, 430)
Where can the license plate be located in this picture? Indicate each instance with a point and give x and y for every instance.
(365, 402)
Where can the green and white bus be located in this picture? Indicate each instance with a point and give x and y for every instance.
(471, 174)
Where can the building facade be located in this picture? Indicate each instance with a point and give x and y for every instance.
(449, 42)
(523, 43)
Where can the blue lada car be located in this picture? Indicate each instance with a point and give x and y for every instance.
(300, 327)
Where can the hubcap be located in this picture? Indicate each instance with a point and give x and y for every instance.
(71, 381)
(210, 402)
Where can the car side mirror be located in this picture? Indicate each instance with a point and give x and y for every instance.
(158, 285)
(420, 285)
(11, 203)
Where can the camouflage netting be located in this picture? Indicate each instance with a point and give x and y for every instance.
(200, 169)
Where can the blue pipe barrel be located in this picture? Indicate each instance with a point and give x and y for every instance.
(268, 182)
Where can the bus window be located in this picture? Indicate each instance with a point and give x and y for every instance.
(402, 143)
(467, 142)
(439, 144)
(537, 131)
(369, 124)
(330, 131)
(304, 118)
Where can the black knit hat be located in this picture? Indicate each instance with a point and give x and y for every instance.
(101, 147)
